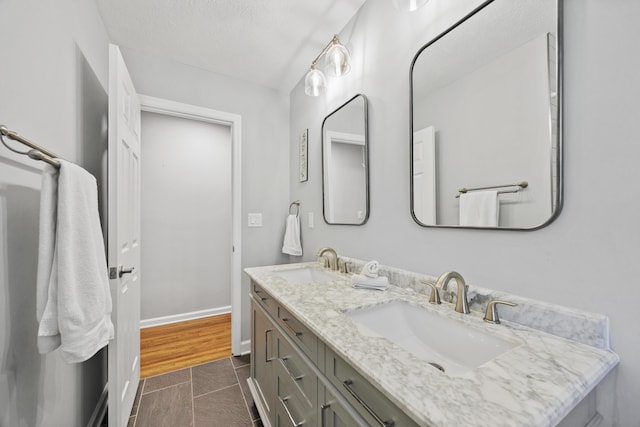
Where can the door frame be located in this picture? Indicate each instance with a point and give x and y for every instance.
(234, 121)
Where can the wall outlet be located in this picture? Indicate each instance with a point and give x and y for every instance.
(255, 220)
(310, 222)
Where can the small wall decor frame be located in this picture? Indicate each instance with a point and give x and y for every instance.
(304, 159)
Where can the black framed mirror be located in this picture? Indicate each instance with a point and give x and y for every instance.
(345, 164)
(485, 124)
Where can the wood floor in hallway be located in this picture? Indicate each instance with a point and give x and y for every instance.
(175, 346)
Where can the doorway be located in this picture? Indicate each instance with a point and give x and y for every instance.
(190, 214)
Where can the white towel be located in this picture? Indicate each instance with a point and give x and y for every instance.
(73, 297)
(361, 281)
(370, 269)
(291, 244)
(479, 208)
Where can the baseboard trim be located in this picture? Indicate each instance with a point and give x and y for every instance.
(245, 348)
(101, 409)
(257, 400)
(175, 318)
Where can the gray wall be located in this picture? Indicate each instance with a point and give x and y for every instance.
(265, 160)
(186, 216)
(53, 91)
(587, 258)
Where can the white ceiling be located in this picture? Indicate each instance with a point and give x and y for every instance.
(267, 42)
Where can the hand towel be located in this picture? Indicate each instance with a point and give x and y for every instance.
(361, 281)
(73, 296)
(291, 244)
(370, 269)
(479, 208)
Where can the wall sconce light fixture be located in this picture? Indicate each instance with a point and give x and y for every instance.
(409, 5)
(337, 64)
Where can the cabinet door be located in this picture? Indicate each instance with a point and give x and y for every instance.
(262, 374)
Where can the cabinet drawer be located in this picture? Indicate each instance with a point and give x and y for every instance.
(292, 407)
(264, 299)
(372, 405)
(336, 412)
(300, 334)
(292, 365)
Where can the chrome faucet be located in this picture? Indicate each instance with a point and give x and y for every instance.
(332, 261)
(462, 305)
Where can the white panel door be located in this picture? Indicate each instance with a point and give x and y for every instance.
(124, 239)
(424, 175)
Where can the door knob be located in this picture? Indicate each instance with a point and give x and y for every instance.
(124, 271)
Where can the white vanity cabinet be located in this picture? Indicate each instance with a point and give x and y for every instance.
(297, 381)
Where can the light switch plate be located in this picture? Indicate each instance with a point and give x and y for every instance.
(255, 220)
(310, 220)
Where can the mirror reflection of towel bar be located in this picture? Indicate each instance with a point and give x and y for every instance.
(520, 185)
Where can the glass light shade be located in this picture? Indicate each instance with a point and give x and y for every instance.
(409, 5)
(337, 62)
(315, 82)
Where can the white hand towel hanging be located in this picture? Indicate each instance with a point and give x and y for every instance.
(291, 244)
(479, 208)
(73, 296)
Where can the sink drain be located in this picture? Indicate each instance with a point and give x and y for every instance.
(437, 366)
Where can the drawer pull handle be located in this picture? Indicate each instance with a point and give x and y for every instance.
(286, 409)
(289, 328)
(322, 415)
(266, 345)
(283, 360)
(347, 384)
(258, 292)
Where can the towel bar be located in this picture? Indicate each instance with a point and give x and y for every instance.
(297, 205)
(36, 152)
(520, 185)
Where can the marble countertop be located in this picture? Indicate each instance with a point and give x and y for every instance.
(536, 383)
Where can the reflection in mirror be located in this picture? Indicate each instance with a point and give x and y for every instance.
(485, 120)
(345, 164)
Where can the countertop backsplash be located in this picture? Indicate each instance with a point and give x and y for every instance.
(577, 325)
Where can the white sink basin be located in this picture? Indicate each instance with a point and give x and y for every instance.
(305, 275)
(445, 343)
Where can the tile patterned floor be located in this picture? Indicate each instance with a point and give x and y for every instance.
(208, 395)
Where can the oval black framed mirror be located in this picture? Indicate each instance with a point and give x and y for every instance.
(345, 164)
(485, 119)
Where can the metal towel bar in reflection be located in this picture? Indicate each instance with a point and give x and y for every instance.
(515, 188)
(37, 152)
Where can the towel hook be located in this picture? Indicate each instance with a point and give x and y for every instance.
(297, 205)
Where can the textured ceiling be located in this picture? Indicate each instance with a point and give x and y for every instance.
(267, 42)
